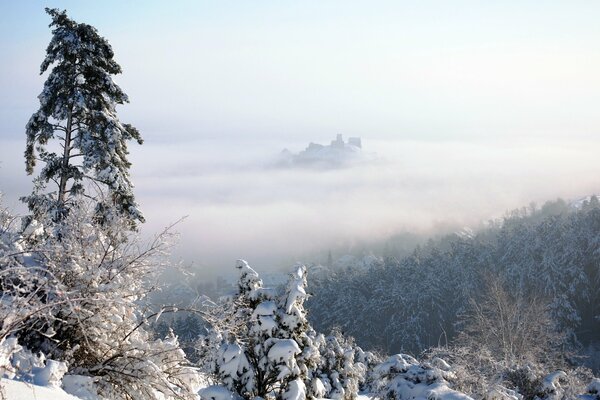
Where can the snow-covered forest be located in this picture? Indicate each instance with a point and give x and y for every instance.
(507, 311)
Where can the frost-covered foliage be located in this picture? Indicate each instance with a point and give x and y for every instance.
(78, 298)
(343, 369)
(401, 377)
(186, 326)
(76, 132)
(256, 353)
(261, 344)
(592, 391)
(476, 372)
(414, 302)
(514, 326)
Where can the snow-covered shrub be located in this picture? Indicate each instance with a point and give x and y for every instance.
(592, 391)
(77, 296)
(342, 370)
(25, 286)
(403, 377)
(477, 373)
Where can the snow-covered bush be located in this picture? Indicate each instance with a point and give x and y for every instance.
(403, 377)
(476, 372)
(342, 370)
(77, 297)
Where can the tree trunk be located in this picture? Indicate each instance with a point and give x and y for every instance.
(62, 188)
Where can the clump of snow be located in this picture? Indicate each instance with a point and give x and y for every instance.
(296, 390)
(295, 288)
(216, 392)
(283, 350)
(232, 360)
(593, 390)
(403, 377)
(81, 386)
(499, 392)
(8, 347)
(318, 388)
(264, 314)
(441, 364)
(551, 383)
(265, 308)
(50, 374)
(18, 390)
(249, 280)
(17, 362)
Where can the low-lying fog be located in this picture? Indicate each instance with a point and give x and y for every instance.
(470, 114)
(240, 206)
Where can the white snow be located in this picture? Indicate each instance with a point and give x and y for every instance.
(265, 308)
(17, 390)
(594, 386)
(215, 392)
(80, 386)
(551, 382)
(283, 350)
(296, 391)
(49, 375)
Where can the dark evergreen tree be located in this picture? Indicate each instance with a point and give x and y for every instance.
(76, 133)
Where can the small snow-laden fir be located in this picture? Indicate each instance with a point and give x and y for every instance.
(261, 344)
(76, 133)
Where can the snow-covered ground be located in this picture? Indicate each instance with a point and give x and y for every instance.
(17, 390)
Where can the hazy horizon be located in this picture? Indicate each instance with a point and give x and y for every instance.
(472, 109)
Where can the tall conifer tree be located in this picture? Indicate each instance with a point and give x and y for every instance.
(76, 132)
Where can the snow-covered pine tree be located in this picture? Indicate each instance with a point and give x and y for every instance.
(76, 132)
(261, 339)
(295, 326)
(242, 335)
(261, 344)
(339, 372)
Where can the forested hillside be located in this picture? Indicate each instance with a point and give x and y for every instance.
(547, 258)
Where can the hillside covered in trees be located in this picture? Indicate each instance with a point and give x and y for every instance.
(544, 259)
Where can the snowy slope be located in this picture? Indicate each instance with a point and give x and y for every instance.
(17, 390)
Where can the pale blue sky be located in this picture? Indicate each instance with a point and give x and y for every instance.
(482, 106)
(398, 69)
